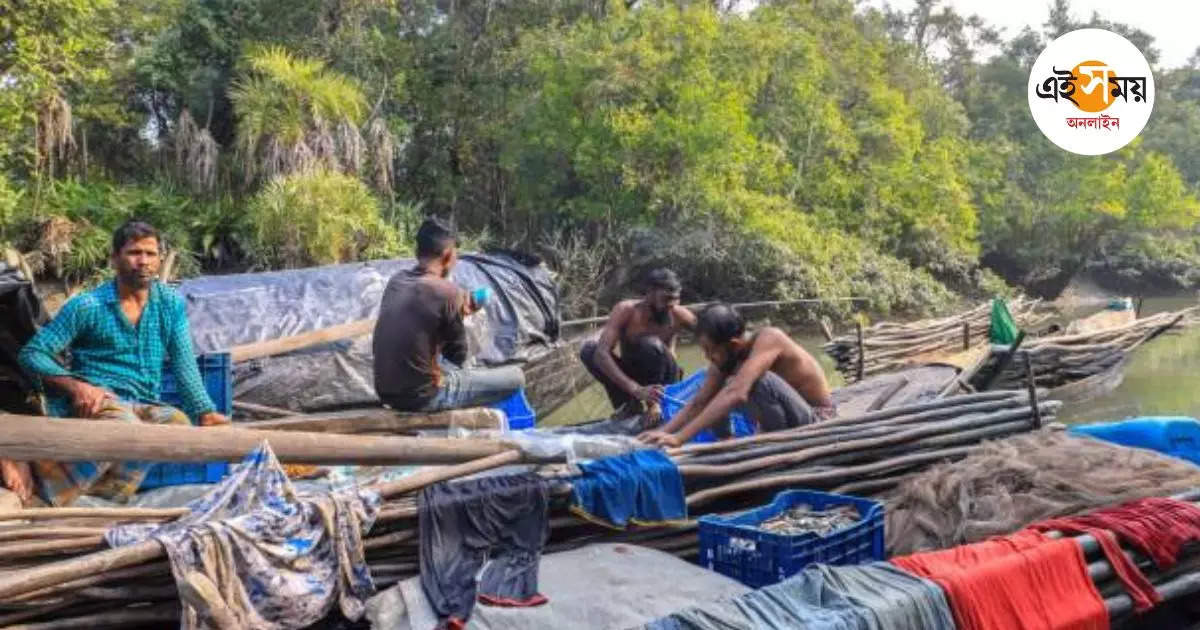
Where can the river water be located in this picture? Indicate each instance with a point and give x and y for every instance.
(1162, 377)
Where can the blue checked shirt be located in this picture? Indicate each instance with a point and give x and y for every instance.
(108, 352)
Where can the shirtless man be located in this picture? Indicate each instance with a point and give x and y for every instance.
(645, 331)
(767, 375)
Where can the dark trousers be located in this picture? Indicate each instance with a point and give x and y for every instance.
(774, 405)
(646, 360)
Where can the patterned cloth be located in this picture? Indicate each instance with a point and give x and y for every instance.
(108, 352)
(254, 554)
(60, 483)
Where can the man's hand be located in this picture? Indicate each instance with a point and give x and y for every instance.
(213, 419)
(88, 400)
(661, 438)
(649, 393)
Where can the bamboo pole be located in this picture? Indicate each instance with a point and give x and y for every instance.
(264, 409)
(382, 420)
(109, 619)
(823, 477)
(49, 532)
(284, 345)
(50, 547)
(51, 574)
(35, 578)
(46, 514)
(37, 438)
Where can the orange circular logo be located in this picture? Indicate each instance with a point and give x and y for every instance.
(1092, 90)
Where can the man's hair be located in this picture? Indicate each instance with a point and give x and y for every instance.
(664, 280)
(434, 238)
(720, 323)
(133, 230)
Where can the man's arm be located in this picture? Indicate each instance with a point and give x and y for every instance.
(708, 389)
(737, 391)
(609, 336)
(454, 331)
(196, 401)
(39, 358)
(686, 318)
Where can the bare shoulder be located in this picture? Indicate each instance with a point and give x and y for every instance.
(622, 310)
(772, 336)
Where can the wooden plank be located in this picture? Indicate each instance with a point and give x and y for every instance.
(283, 345)
(382, 420)
(37, 438)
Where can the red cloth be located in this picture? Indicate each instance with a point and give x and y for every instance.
(1026, 581)
(1157, 527)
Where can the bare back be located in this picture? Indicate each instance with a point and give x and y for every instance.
(799, 368)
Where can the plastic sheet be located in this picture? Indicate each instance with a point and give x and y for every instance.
(20, 314)
(552, 445)
(227, 311)
(622, 586)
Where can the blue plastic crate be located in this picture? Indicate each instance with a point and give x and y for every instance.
(735, 547)
(516, 407)
(678, 394)
(216, 372)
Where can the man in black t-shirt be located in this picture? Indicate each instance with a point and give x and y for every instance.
(420, 320)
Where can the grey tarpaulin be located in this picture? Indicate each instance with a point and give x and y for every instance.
(877, 596)
(227, 311)
(622, 586)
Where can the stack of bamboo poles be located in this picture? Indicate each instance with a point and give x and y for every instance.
(59, 575)
(887, 346)
(1062, 360)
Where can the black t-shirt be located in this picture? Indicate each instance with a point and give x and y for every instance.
(420, 317)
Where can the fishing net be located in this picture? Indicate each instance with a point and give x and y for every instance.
(1007, 484)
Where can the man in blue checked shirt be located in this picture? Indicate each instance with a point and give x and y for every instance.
(119, 335)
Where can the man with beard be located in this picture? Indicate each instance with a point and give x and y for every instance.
(420, 324)
(120, 336)
(645, 332)
(765, 374)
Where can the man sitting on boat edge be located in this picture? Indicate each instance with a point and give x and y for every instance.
(645, 332)
(420, 323)
(766, 374)
(119, 335)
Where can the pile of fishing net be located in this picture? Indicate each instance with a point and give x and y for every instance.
(1007, 484)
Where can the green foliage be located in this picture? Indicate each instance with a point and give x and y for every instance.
(319, 218)
(294, 115)
(96, 209)
(10, 209)
(49, 47)
(820, 148)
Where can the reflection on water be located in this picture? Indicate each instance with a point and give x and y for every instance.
(1161, 377)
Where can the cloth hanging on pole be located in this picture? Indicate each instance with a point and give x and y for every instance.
(643, 487)
(1026, 581)
(1158, 527)
(252, 553)
(876, 596)
(498, 524)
